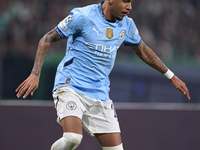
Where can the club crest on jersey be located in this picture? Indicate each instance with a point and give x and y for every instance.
(109, 33)
(71, 105)
(121, 35)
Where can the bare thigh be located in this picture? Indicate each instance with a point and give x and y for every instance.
(109, 139)
(72, 124)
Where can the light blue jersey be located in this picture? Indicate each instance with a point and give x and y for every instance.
(91, 50)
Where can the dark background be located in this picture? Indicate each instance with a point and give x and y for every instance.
(170, 28)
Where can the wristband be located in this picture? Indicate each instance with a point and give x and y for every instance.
(169, 74)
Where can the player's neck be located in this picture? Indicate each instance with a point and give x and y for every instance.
(107, 12)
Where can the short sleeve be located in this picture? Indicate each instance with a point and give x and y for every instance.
(133, 38)
(72, 24)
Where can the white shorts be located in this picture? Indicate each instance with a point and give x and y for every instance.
(97, 116)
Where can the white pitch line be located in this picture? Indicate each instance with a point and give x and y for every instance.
(119, 105)
(158, 106)
(36, 103)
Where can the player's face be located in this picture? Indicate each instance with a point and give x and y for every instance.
(120, 8)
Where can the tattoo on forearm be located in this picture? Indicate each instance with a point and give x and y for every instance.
(151, 58)
(42, 50)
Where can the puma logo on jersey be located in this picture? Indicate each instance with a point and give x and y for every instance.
(96, 30)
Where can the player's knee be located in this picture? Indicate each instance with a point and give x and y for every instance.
(69, 141)
(72, 139)
(118, 147)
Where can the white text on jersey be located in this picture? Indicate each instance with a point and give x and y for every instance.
(100, 47)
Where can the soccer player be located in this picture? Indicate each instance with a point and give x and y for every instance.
(81, 89)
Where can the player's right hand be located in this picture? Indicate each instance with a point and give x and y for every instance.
(28, 86)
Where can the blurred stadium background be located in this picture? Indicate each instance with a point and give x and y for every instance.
(170, 28)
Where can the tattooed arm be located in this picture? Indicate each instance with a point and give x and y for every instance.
(42, 50)
(149, 57)
(32, 82)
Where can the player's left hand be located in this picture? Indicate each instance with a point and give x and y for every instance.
(180, 85)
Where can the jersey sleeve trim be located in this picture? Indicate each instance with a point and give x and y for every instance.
(129, 44)
(60, 33)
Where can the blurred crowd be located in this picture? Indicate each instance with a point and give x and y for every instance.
(170, 27)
